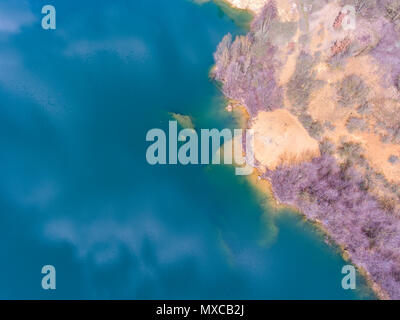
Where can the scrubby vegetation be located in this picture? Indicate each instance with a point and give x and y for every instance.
(398, 83)
(387, 52)
(393, 11)
(351, 152)
(246, 67)
(352, 91)
(356, 123)
(384, 17)
(326, 147)
(340, 51)
(337, 196)
(387, 120)
(365, 109)
(329, 126)
(314, 128)
(393, 159)
(369, 8)
(302, 83)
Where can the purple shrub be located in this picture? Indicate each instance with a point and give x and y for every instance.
(387, 120)
(398, 83)
(387, 52)
(313, 127)
(302, 83)
(262, 23)
(335, 196)
(222, 56)
(351, 90)
(246, 67)
(393, 11)
(326, 147)
(365, 109)
(351, 152)
(393, 159)
(356, 123)
(383, 17)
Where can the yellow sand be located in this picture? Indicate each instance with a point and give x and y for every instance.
(280, 137)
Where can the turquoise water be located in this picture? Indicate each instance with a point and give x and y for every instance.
(76, 191)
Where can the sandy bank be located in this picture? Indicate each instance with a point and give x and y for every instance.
(281, 139)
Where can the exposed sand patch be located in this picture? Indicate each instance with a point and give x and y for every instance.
(252, 5)
(378, 154)
(286, 9)
(279, 137)
(322, 106)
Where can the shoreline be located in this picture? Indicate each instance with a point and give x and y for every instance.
(371, 77)
(253, 6)
(265, 188)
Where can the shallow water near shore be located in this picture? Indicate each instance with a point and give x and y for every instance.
(76, 191)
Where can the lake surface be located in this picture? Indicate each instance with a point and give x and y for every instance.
(76, 191)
